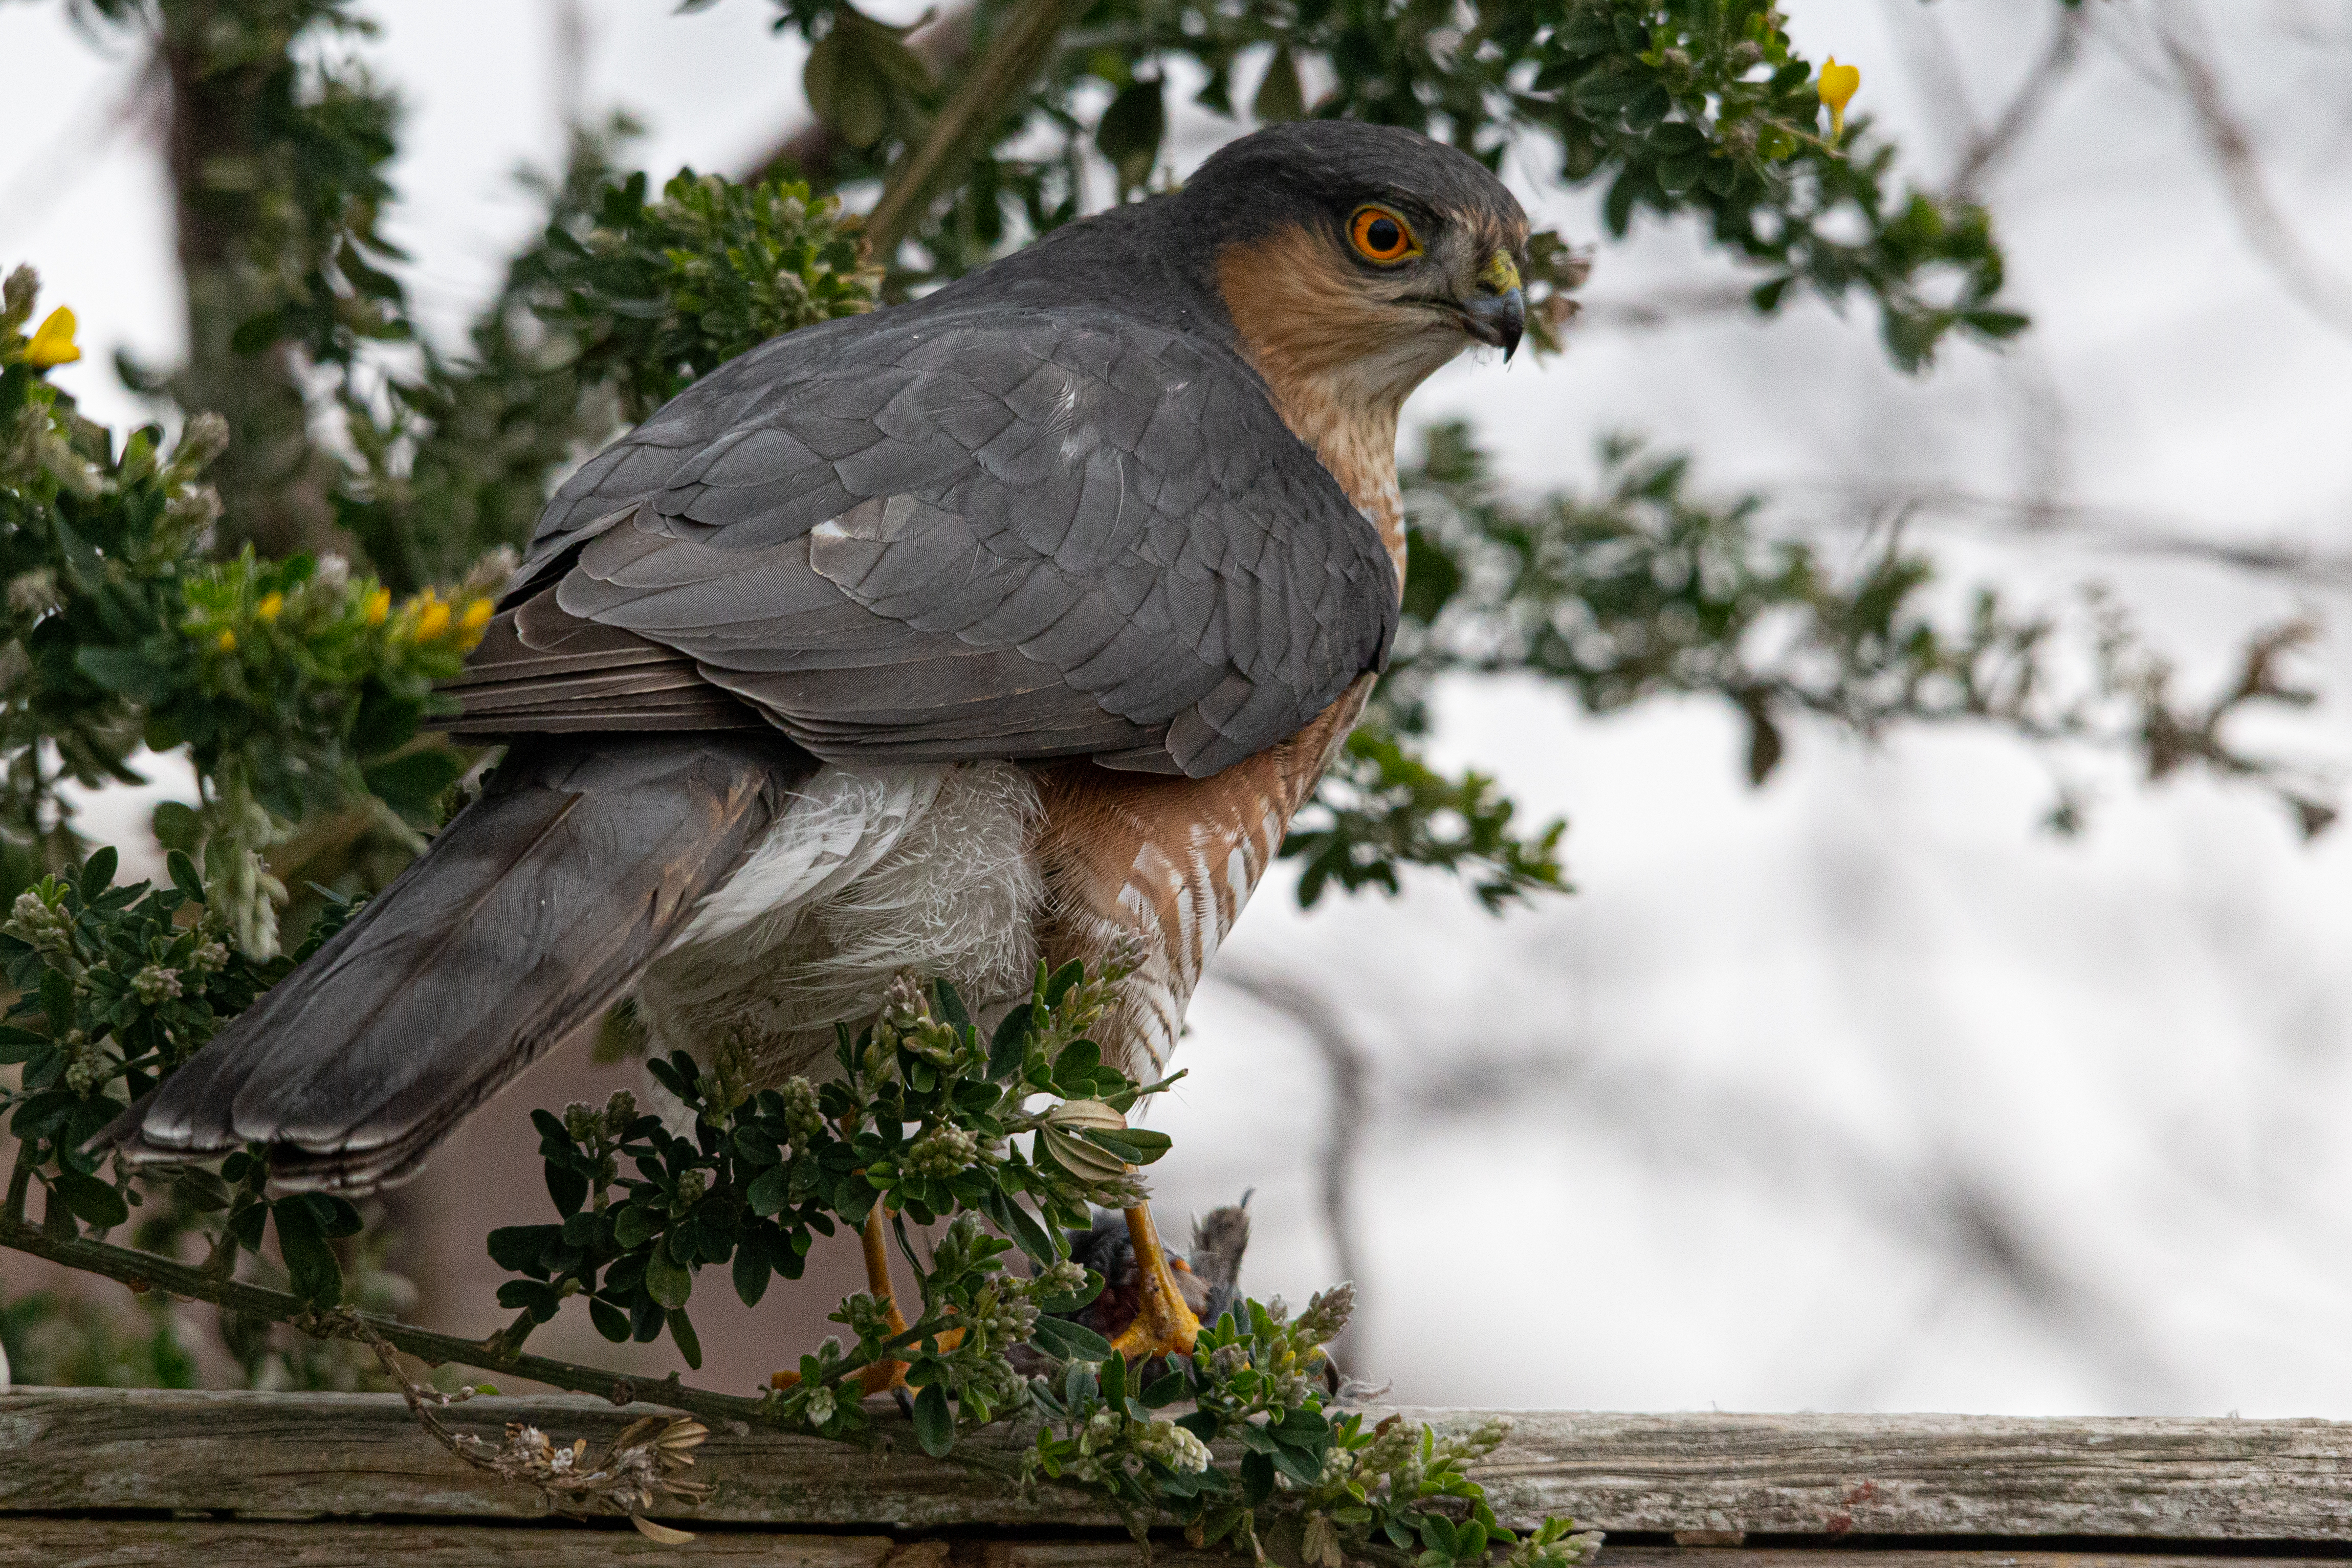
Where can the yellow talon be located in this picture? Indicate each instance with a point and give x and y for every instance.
(1164, 1322)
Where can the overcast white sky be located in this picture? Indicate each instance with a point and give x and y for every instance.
(1854, 1093)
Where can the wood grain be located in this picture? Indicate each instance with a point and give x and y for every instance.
(178, 1543)
(355, 1456)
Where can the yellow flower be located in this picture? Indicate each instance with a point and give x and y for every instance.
(433, 623)
(1838, 86)
(379, 606)
(469, 625)
(227, 642)
(270, 606)
(53, 341)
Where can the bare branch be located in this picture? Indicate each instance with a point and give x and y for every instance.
(1001, 74)
(1350, 1069)
(1937, 1199)
(2111, 529)
(144, 1271)
(1669, 307)
(2231, 148)
(1986, 148)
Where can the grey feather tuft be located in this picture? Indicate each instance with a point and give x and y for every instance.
(530, 916)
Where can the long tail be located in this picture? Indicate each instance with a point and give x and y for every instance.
(532, 914)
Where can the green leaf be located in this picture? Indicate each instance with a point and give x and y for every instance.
(1009, 1047)
(681, 1332)
(413, 782)
(57, 1002)
(1165, 1391)
(1067, 1341)
(183, 869)
(770, 1191)
(97, 873)
(667, 1281)
(1130, 129)
(1257, 1479)
(1136, 1146)
(1437, 1533)
(90, 1200)
(610, 1320)
(934, 1422)
(310, 1261)
(199, 1188)
(518, 1248)
(753, 1269)
(127, 671)
(567, 1187)
(1279, 96)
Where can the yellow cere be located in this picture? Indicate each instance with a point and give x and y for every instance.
(1839, 84)
(272, 605)
(53, 341)
(379, 607)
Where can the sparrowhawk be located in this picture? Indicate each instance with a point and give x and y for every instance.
(1015, 622)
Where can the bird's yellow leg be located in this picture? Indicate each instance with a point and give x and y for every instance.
(1164, 1324)
(883, 1376)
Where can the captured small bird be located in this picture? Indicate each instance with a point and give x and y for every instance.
(1013, 623)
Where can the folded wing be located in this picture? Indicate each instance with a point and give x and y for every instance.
(1032, 534)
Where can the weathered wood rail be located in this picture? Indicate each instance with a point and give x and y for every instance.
(106, 1477)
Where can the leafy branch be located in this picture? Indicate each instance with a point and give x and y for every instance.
(1641, 588)
(921, 1126)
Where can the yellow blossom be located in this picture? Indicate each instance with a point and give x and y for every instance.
(1838, 86)
(379, 606)
(434, 622)
(53, 341)
(272, 604)
(476, 616)
(227, 642)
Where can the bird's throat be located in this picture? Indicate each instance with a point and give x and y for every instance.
(1334, 361)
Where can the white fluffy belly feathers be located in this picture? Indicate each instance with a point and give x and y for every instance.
(871, 873)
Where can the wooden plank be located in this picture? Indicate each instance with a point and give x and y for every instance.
(1846, 1556)
(304, 1456)
(294, 1456)
(176, 1544)
(183, 1544)
(2163, 1480)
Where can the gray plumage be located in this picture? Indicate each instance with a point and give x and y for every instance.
(1048, 511)
(949, 532)
(536, 907)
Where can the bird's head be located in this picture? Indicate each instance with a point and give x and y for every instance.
(1355, 259)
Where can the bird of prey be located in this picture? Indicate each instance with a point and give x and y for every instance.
(1012, 623)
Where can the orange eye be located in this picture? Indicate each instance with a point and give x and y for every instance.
(1381, 235)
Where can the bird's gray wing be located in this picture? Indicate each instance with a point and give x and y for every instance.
(932, 536)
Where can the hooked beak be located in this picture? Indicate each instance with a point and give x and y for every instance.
(1497, 321)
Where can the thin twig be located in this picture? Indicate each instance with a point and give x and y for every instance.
(2112, 530)
(146, 1271)
(1986, 148)
(1350, 1073)
(2226, 139)
(636, 1470)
